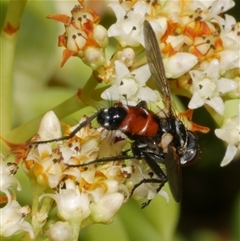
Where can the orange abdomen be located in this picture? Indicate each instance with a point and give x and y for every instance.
(139, 121)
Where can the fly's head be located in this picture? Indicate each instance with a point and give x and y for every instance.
(185, 142)
(191, 150)
(112, 117)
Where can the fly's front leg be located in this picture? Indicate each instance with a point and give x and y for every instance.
(72, 134)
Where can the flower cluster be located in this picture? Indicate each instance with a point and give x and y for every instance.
(230, 133)
(87, 194)
(200, 50)
(201, 56)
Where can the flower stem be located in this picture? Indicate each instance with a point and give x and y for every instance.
(9, 35)
(78, 101)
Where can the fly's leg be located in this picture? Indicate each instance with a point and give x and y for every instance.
(103, 160)
(152, 160)
(148, 180)
(145, 204)
(79, 127)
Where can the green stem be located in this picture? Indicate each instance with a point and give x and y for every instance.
(27, 130)
(78, 101)
(9, 35)
(8, 40)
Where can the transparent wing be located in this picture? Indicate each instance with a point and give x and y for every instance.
(155, 63)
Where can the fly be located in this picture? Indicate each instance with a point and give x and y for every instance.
(155, 139)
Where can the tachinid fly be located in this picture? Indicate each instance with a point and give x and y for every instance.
(155, 139)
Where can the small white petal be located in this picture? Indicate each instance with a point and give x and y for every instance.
(229, 155)
(196, 76)
(221, 6)
(179, 64)
(66, 153)
(221, 133)
(229, 59)
(176, 41)
(196, 101)
(140, 8)
(111, 93)
(212, 71)
(229, 22)
(226, 85)
(142, 74)
(115, 30)
(217, 104)
(118, 10)
(121, 70)
(148, 94)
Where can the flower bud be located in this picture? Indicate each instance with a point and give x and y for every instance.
(94, 57)
(179, 64)
(106, 208)
(60, 231)
(100, 35)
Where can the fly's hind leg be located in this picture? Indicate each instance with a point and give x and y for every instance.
(149, 180)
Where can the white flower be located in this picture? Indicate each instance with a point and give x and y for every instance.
(130, 87)
(47, 167)
(230, 55)
(7, 180)
(71, 203)
(207, 87)
(230, 133)
(220, 6)
(12, 220)
(12, 214)
(128, 28)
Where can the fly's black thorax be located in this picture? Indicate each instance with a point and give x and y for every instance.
(174, 127)
(184, 141)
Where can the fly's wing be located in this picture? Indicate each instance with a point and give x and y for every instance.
(174, 173)
(172, 162)
(155, 63)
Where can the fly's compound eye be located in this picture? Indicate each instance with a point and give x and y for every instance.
(112, 117)
(192, 150)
